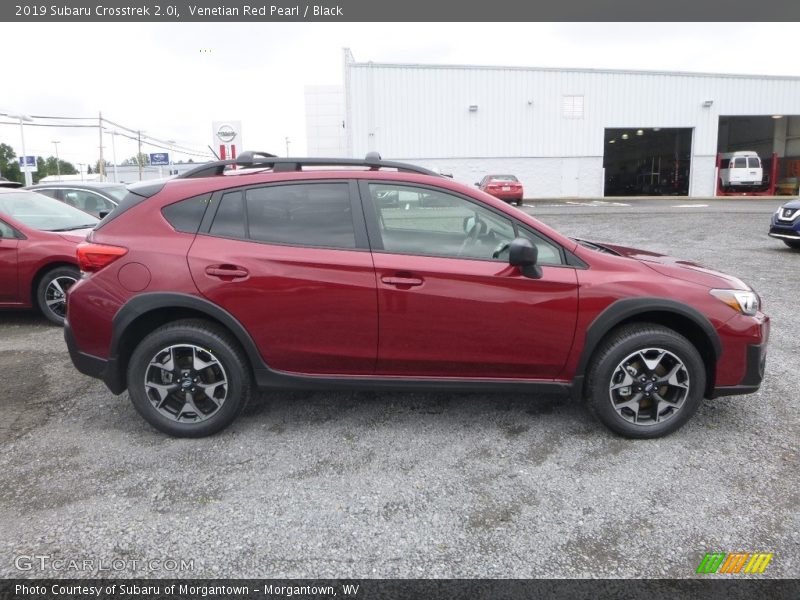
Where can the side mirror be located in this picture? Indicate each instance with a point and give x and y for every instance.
(477, 184)
(523, 254)
(103, 213)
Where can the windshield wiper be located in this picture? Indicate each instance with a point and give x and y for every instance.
(74, 228)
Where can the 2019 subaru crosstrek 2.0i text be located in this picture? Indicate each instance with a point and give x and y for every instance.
(296, 273)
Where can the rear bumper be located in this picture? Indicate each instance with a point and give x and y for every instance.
(93, 366)
(507, 196)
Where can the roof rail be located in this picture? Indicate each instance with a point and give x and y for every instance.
(251, 159)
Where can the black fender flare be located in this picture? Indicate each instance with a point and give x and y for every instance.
(624, 309)
(144, 303)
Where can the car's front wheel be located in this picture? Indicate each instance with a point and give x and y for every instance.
(646, 381)
(51, 293)
(189, 378)
(792, 244)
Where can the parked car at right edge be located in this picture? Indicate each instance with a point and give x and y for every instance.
(786, 224)
(299, 273)
(506, 187)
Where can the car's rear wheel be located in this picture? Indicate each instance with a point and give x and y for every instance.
(646, 381)
(792, 244)
(189, 378)
(51, 293)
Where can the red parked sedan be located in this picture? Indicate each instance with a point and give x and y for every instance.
(506, 187)
(38, 236)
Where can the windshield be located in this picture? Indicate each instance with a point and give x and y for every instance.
(40, 212)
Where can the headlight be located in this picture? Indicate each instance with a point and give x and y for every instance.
(743, 301)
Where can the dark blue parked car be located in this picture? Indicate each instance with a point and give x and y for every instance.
(786, 224)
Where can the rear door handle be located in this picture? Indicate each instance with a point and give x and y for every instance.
(400, 280)
(227, 271)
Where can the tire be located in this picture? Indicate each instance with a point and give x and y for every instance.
(205, 390)
(51, 297)
(641, 408)
(792, 244)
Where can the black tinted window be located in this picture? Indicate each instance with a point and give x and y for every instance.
(740, 163)
(316, 214)
(229, 220)
(186, 215)
(6, 231)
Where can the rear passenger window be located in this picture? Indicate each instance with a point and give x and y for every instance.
(740, 163)
(316, 214)
(229, 220)
(186, 215)
(753, 162)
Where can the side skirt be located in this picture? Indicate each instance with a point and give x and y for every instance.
(270, 379)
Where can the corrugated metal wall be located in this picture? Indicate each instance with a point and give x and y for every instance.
(423, 111)
(420, 112)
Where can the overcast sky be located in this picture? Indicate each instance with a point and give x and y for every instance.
(173, 80)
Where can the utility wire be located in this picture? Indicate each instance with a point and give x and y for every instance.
(156, 142)
(44, 124)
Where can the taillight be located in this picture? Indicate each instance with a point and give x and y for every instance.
(93, 257)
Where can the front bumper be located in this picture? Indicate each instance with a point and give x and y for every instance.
(754, 373)
(784, 233)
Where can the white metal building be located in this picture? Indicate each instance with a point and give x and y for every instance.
(553, 128)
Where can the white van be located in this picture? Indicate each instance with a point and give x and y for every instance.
(738, 170)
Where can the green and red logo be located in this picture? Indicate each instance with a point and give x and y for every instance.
(734, 562)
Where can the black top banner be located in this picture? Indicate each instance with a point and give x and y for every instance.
(172, 11)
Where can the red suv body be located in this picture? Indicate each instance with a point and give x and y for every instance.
(203, 288)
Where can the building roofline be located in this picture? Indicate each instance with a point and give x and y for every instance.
(571, 70)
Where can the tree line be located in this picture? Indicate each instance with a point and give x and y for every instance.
(10, 169)
(9, 166)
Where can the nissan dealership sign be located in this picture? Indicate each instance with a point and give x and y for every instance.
(227, 138)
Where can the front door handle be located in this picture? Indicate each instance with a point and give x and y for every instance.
(401, 280)
(227, 271)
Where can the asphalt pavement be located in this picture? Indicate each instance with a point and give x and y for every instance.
(413, 484)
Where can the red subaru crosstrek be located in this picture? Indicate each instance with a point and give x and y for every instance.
(296, 273)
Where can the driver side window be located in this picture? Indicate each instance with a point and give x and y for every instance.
(427, 222)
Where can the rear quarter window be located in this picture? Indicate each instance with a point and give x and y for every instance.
(186, 215)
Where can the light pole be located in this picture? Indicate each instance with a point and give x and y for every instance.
(114, 153)
(287, 146)
(171, 143)
(58, 166)
(26, 118)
